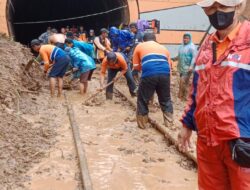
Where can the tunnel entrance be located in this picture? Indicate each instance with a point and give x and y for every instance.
(27, 17)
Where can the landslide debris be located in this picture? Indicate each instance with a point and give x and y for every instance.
(22, 143)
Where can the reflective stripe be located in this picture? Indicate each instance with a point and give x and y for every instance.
(153, 60)
(237, 65)
(153, 54)
(200, 67)
(53, 54)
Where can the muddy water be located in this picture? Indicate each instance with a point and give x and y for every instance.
(59, 169)
(121, 156)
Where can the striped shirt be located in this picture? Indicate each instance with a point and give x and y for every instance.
(152, 58)
(49, 53)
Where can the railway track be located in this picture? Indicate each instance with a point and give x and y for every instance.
(103, 152)
(162, 129)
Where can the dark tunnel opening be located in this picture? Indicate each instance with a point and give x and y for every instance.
(19, 11)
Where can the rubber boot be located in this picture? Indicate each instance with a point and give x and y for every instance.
(109, 96)
(168, 120)
(142, 121)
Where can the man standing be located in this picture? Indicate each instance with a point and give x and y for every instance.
(138, 38)
(102, 44)
(138, 35)
(55, 60)
(63, 31)
(82, 34)
(116, 62)
(91, 37)
(186, 59)
(219, 106)
(44, 37)
(154, 61)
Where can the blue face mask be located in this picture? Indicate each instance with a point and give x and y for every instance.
(221, 20)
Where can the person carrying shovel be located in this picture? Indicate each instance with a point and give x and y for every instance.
(116, 62)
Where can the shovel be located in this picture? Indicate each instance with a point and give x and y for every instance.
(103, 88)
(99, 91)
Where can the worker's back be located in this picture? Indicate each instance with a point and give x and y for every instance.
(84, 47)
(152, 58)
(57, 38)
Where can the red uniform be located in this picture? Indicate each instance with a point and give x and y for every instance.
(219, 109)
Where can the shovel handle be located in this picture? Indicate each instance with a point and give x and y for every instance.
(70, 72)
(106, 86)
(99, 91)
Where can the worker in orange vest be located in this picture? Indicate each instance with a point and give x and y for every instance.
(218, 108)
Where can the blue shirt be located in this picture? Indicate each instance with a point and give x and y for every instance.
(84, 47)
(81, 61)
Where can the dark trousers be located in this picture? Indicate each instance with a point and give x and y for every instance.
(130, 81)
(147, 87)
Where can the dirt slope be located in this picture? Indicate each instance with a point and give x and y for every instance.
(21, 142)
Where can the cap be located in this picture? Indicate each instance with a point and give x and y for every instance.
(35, 42)
(104, 30)
(228, 3)
(111, 57)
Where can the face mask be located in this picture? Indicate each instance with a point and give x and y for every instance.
(221, 20)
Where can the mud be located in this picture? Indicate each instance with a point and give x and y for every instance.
(29, 124)
(122, 156)
(36, 145)
(58, 170)
(13, 81)
(156, 114)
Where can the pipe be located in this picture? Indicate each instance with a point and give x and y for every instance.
(85, 177)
